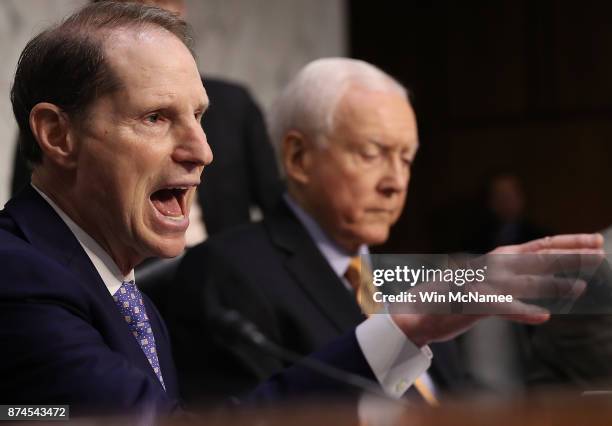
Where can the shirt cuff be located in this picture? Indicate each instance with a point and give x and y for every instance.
(395, 360)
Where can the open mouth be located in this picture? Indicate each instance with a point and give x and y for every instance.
(171, 202)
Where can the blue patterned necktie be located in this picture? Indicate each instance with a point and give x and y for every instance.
(130, 303)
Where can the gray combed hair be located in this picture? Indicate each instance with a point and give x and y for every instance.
(308, 103)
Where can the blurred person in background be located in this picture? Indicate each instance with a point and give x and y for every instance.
(498, 353)
(502, 220)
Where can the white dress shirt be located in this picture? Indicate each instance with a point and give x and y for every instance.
(394, 359)
(104, 264)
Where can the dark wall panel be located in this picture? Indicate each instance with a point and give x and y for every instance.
(487, 58)
(523, 86)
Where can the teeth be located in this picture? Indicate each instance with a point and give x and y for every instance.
(176, 218)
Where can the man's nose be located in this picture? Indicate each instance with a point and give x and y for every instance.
(395, 177)
(192, 147)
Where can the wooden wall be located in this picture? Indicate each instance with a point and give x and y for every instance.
(521, 85)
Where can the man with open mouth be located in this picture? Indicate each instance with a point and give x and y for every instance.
(109, 103)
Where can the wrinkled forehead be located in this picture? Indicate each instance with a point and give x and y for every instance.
(354, 97)
(135, 46)
(377, 111)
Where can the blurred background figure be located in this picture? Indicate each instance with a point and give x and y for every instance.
(502, 219)
(495, 350)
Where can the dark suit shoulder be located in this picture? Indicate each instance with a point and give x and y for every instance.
(230, 269)
(8, 227)
(229, 97)
(242, 242)
(57, 354)
(225, 86)
(29, 273)
(68, 342)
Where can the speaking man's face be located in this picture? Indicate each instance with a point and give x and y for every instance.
(142, 148)
(358, 182)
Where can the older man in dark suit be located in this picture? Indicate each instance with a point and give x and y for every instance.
(346, 136)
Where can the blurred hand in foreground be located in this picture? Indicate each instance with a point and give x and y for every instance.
(525, 274)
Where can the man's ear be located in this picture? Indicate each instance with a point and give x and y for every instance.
(51, 128)
(297, 156)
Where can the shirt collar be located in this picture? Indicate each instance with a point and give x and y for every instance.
(336, 256)
(104, 264)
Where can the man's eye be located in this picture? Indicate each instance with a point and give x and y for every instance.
(152, 118)
(370, 154)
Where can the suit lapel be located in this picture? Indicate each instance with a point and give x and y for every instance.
(164, 351)
(311, 271)
(46, 231)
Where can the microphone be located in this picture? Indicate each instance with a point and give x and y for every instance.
(235, 323)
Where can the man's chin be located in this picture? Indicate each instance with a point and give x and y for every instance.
(376, 237)
(168, 247)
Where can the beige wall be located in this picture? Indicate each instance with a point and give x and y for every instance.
(261, 43)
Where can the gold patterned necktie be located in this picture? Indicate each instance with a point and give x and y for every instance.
(359, 276)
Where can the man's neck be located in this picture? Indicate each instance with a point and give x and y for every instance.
(63, 200)
(305, 206)
(105, 266)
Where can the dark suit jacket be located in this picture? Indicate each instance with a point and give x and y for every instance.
(65, 342)
(63, 339)
(244, 170)
(273, 273)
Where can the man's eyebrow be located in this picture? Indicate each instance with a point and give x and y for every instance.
(382, 145)
(376, 142)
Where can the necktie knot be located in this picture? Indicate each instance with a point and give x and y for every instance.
(359, 276)
(353, 273)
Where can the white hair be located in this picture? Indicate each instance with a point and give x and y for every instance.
(308, 103)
